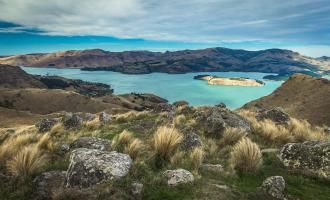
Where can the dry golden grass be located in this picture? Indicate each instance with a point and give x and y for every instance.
(303, 131)
(92, 125)
(133, 148)
(196, 158)
(246, 156)
(177, 158)
(13, 144)
(275, 133)
(45, 143)
(231, 136)
(26, 162)
(211, 147)
(57, 129)
(179, 119)
(131, 115)
(120, 141)
(164, 144)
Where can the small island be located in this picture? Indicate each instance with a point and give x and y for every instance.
(215, 80)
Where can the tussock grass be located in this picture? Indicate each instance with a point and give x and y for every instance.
(179, 119)
(133, 148)
(246, 156)
(177, 158)
(303, 131)
(27, 162)
(120, 141)
(57, 129)
(275, 133)
(231, 136)
(196, 157)
(131, 115)
(164, 144)
(92, 125)
(45, 143)
(211, 147)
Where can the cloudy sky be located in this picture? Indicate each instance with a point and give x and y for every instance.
(28, 26)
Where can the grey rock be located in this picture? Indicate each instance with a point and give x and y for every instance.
(191, 141)
(215, 168)
(91, 166)
(311, 158)
(64, 148)
(48, 183)
(45, 125)
(214, 120)
(274, 186)
(91, 143)
(136, 189)
(277, 115)
(178, 176)
(105, 118)
(87, 116)
(73, 121)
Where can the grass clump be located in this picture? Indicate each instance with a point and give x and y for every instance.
(26, 162)
(133, 148)
(231, 136)
(164, 144)
(246, 156)
(196, 157)
(120, 141)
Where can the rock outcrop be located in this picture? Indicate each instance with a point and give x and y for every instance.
(104, 118)
(91, 166)
(73, 121)
(178, 176)
(91, 143)
(48, 183)
(277, 115)
(191, 141)
(214, 120)
(45, 125)
(310, 158)
(274, 186)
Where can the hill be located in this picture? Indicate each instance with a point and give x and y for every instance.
(141, 62)
(302, 96)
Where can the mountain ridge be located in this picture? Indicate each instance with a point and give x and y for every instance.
(183, 61)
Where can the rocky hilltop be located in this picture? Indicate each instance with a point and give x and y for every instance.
(302, 96)
(141, 62)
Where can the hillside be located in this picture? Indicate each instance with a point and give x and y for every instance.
(141, 62)
(302, 97)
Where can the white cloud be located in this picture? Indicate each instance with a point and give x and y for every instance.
(181, 20)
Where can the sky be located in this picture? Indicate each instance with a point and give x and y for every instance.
(32, 26)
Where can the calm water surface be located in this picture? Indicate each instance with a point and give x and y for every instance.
(173, 87)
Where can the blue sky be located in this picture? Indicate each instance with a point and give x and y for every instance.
(55, 25)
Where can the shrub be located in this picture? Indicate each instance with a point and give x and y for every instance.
(246, 156)
(164, 144)
(197, 157)
(133, 148)
(120, 141)
(27, 162)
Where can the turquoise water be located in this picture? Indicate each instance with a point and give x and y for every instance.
(172, 87)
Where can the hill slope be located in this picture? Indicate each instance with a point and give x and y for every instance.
(141, 62)
(302, 97)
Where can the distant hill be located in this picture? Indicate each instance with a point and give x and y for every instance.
(302, 96)
(141, 62)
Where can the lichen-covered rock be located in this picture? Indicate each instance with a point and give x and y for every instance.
(45, 125)
(105, 118)
(87, 116)
(277, 115)
(311, 158)
(215, 168)
(136, 189)
(48, 183)
(214, 120)
(91, 143)
(64, 148)
(191, 141)
(73, 121)
(91, 166)
(178, 176)
(274, 186)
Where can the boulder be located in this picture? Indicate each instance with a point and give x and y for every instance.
(45, 125)
(91, 143)
(92, 166)
(178, 176)
(105, 118)
(214, 120)
(215, 168)
(311, 158)
(274, 186)
(191, 141)
(48, 183)
(87, 116)
(73, 121)
(277, 115)
(64, 148)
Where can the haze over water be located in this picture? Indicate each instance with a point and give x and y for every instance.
(172, 87)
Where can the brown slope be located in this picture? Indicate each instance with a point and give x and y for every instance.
(302, 96)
